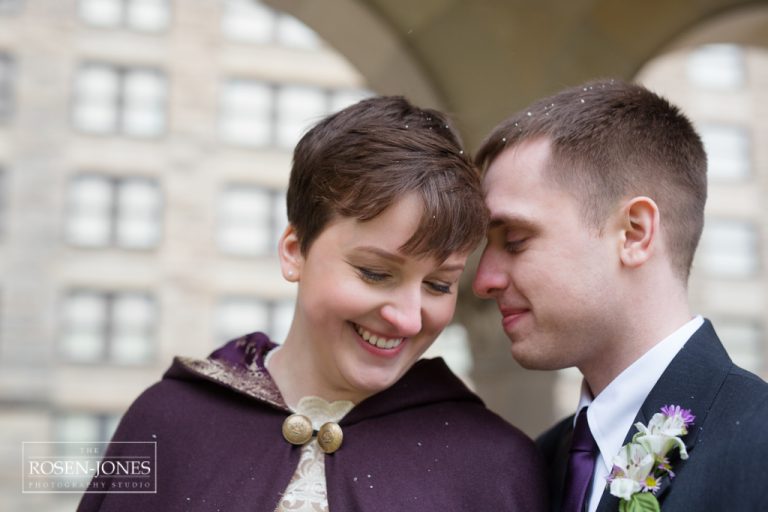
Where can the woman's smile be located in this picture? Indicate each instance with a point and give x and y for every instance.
(377, 340)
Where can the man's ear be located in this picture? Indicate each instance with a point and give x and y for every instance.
(640, 228)
(289, 252)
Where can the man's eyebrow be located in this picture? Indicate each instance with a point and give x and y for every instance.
(510, 221)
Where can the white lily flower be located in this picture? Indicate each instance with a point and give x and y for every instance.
(664, 425)
(660, 445)
(641, 464)
(624, 488)
(635, 462)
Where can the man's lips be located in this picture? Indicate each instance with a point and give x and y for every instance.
(511, 315)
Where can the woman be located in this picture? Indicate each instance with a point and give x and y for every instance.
(383, 210)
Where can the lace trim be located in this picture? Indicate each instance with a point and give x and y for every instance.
(307, 491)
(321, 411)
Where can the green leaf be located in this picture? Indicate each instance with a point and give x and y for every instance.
(642, 502)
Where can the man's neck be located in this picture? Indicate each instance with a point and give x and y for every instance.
(636, 340)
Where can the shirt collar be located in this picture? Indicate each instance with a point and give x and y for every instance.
(612, 412)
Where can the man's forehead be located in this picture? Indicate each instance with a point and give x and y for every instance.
(524, 164)
(519, 190)
(511, 203)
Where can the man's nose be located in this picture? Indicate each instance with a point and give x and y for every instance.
(489, 278)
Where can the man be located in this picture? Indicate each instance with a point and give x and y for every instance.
(596, 197)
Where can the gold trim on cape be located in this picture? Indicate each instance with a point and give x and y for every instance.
(252, 381)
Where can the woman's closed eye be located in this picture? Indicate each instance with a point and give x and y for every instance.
(377, 277)
(372, 276)
(439, 287)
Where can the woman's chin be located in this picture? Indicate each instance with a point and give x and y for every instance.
(372, 382)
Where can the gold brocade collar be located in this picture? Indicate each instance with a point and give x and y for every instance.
(313, 416)
(251, 380)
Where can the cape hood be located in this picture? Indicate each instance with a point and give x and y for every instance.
(239, 367)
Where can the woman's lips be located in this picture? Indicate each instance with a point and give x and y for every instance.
(392, 346)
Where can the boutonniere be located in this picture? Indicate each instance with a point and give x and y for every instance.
(643, 463)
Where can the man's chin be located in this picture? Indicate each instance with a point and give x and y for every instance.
(534, 360)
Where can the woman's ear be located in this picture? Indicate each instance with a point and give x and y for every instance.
(641, 229)
(289, 251)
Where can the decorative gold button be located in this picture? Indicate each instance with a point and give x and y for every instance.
(297, 429)
(329, 437)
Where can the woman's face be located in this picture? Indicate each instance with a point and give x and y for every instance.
(365, 311)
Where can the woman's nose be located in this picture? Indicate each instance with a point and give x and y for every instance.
(403, 312)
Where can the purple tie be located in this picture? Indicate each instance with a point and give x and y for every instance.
(581, 465)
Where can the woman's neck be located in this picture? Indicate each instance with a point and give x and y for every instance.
(297, 374)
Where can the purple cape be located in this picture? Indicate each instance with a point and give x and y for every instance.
(426, 443)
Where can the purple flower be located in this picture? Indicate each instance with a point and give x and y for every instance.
(651, 484)
(683, 414)
(616, 472)
(666, 467)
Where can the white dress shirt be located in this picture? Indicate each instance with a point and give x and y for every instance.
(611, 413)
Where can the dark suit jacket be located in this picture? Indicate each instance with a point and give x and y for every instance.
(728, 444)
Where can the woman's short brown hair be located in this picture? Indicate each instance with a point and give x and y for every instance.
(363, 159)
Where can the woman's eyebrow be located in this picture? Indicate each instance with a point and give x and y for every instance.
(377, 251)
(397, 258)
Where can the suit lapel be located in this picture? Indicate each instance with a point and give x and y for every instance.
(691, 381)
(554, 446)
(559, 468)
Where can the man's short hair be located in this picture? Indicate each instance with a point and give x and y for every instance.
(363, 159)
(611, 140)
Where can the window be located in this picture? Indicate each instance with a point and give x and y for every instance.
(251, 220)
(236, 316)
(728, 248)
(743, 340)
(143, 15)
(108, 326)
(293, 33)
(260, 114)
(251, 21)
(107, 211)
(7, 72)
(2, 202)
(110, 99)
(10, 6)
(716, 66)
(246, 113)
(728, 151)
(298, 107)
(342, 98)
(83, 427)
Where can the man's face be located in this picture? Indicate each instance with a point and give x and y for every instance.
(555, 279)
